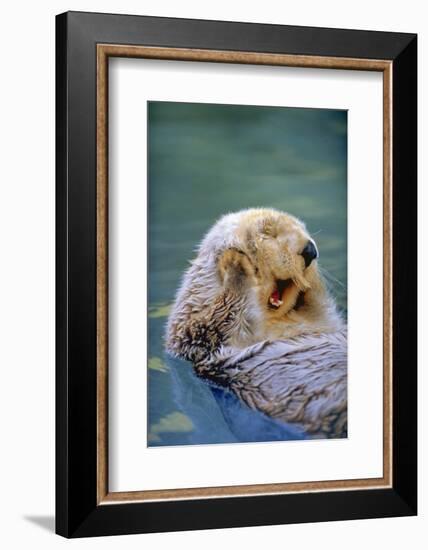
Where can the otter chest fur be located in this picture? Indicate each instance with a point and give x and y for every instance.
(253, 314)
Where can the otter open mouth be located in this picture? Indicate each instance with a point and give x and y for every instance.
(280, 294)
(276, 299)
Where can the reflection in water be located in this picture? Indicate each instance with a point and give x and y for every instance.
(204, 161)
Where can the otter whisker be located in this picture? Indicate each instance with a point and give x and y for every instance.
(332, 277)
(301, 283)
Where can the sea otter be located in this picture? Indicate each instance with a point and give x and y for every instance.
(253, 313)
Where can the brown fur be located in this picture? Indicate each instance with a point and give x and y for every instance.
(226, 291)
(223, 314)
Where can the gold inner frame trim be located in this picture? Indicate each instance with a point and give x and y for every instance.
(104, 51)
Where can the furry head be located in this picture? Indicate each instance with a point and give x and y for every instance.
(255, 278)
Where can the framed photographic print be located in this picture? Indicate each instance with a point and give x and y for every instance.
(236, 274)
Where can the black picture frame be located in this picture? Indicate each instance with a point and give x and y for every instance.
(77, 511)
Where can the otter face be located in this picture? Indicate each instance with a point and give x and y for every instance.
(255, 277)
(284, 259)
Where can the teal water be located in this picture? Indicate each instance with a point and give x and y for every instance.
(205, 161)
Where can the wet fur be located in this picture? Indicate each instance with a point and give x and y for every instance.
(222, 322)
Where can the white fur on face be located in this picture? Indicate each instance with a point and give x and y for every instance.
(221, 236)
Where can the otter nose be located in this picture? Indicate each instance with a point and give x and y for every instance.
(309, 253)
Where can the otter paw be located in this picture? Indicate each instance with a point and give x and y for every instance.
(235, 269)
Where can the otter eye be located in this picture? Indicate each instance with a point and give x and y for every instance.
(269, 232)
(268, 229)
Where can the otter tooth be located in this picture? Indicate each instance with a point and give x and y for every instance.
(275, 302)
